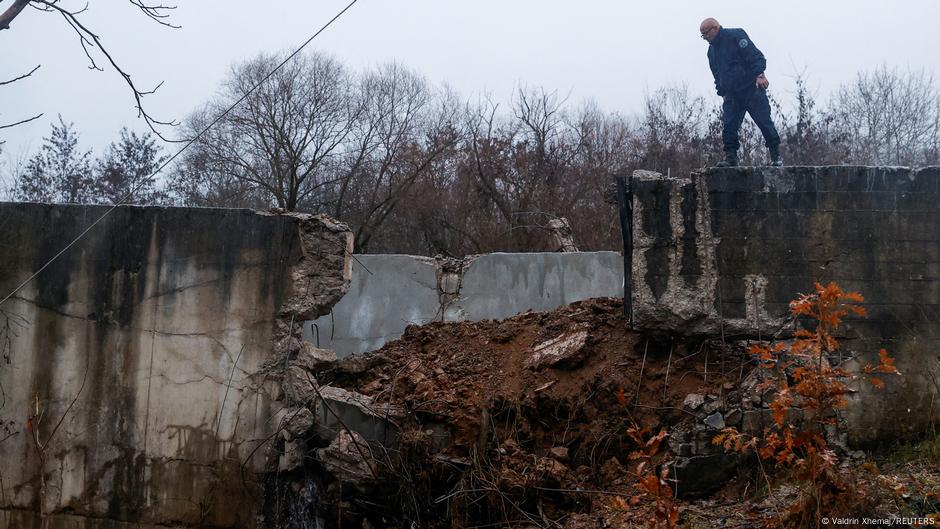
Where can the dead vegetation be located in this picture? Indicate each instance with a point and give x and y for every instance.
(564, 419)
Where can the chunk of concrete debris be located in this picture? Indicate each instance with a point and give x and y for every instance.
(298, 386)
(311, 357)
(563, 235)
(298, 421)
(348, 458)
(342, 409)
(693, 401)
(566, 348)
(715, 420)
(703, 474)
(292, 457)
(712, 406)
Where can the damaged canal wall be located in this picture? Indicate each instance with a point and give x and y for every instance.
(390, 292)
(723, 252)
(135, 376)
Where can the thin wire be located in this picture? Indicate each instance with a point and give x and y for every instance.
(167, 162)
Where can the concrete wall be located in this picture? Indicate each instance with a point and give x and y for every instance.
(390, 292)
(727, 249)
(129, 368)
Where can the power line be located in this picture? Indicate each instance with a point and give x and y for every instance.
(218, 118)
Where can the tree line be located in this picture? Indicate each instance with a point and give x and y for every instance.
(413, 168)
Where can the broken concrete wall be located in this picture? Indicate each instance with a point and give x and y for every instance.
(723, 252)
(390, 292)
(130, 387)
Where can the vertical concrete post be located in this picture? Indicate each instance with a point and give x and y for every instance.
(625, 201)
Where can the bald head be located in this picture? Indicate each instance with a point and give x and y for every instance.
(709, 28)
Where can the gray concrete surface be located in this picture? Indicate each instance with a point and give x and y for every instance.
(725, 251)
(390, 292)
(143, 344)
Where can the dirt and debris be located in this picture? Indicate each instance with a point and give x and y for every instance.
(521, 420)
(519, 423)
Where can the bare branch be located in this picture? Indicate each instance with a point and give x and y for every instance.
(11, 13)
(156, 12)
(24, 76)
(27, 120)
(89, 39)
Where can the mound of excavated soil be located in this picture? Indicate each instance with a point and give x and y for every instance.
(523, 422)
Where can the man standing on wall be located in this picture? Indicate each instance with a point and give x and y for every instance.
(738, 67)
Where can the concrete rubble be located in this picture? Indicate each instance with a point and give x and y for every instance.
(446, 397)
(566, 348)
(348, 457)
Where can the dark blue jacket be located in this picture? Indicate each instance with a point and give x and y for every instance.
(735, 61)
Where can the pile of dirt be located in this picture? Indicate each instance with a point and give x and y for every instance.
(523, 422)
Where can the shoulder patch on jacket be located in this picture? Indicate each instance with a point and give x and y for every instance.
(743, 43)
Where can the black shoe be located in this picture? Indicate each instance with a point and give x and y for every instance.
(728, 162)
(775, 159)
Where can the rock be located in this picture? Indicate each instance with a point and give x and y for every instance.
(733, 417)
(703, 474)
(311, 357)
(712, 406)
(728, 386)
(715, 420)
(564, 238)
(559, 452)
(703, 445)
(292, 457)
(754, 421)
(298, 421)
(341, 409)
(298, 386)
(693, 400)
(566, 348)
(348, 458)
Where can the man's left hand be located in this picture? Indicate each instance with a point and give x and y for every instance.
(762, 82)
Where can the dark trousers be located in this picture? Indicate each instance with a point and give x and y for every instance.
(755, 103)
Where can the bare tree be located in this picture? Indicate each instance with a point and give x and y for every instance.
(809, 136)
(402, 131)
(92, 45)
(889, 117)
(286, 140)
(677, 132)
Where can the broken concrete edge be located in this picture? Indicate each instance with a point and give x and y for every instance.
(318, 278)
(450, 272)
(325, 245)
(351, 424)
(692, 308)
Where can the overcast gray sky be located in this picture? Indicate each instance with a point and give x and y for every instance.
(609, 51)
